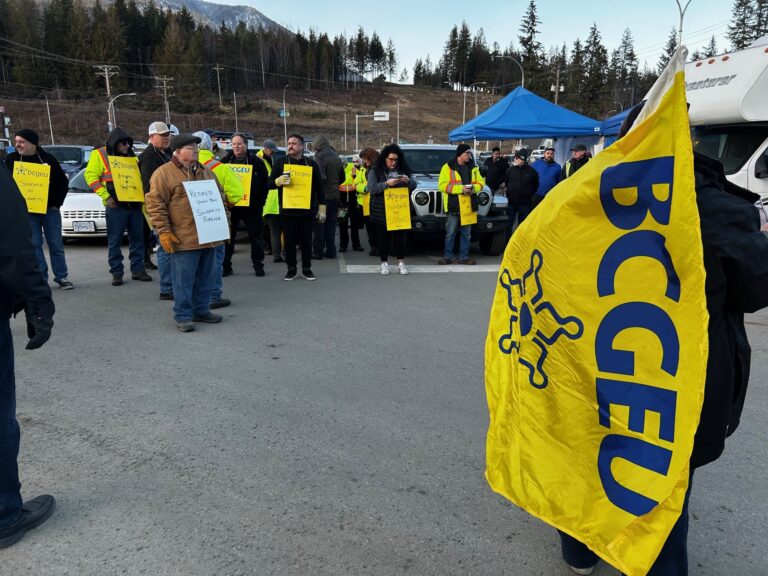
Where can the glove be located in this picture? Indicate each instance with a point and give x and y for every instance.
(321, 214)
(282, 180)
(39, 325)
(167, 240)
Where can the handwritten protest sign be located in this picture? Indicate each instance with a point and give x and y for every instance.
(245, 173)
(298, 195)
(398, 209)
(208, 210)
(33, 180)
(127, 178)
(466, 214)
(365, 202)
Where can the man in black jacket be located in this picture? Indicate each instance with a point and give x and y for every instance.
(578, 158)
(324, 242)
(495, 169)
(736, 265)
(297, 222)
(21, 288)
(522, 181)
(152, 157)
(49, 224)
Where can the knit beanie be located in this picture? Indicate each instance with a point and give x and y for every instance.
(29, 135)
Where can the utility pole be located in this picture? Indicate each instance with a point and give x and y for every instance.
(218, 81)
(556, 87)
(234, 100)
(165, 87)
(107, 72)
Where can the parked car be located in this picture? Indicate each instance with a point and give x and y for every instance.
(72, 158)
(427, 214)
(83, 214)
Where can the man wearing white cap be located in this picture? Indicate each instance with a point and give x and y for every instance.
(154, 156)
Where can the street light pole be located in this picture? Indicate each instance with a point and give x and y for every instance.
(285, 120)
(111, 107)
(398, 113)
(50, 124)
(522, 72)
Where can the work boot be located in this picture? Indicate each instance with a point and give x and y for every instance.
(33, 513)
(141, 276)
(117, 279)
(185, 326)
(207, 318)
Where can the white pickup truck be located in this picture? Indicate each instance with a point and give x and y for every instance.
(728, 97)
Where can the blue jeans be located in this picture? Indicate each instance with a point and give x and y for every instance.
(218, 280)
(164, 269)
(10, 488)
(324, 241)
(516, 211)
(193, 272)
(118, 221)
(451, 227)
(50, 225)
(672, 560)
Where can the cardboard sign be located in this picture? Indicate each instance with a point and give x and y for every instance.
(466, 215)
(298, 195)
(365, 202)
(208, 210)
(33, 180)
(245, 173)
(126, 178)
(398, 208)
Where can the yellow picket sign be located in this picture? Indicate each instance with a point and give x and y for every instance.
(597, 346)
(126, 178)
(365, 202)
(467, 216)
(33, 181)
(298, 196)
(245, 173)
(398, 208)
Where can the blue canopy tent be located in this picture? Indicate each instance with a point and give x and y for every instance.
(523, 114)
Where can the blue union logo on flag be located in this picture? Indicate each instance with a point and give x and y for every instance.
(539, 324)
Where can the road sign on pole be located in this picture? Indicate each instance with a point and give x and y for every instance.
(381, 116)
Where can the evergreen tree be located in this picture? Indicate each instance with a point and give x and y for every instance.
(669, 50)
(461, 56)
(741, 29)
(392, 60)
(595, 65)
(448, 60)
(710, 49)
(377, 56)
(761, 18)
(531, 51)
(576, 71)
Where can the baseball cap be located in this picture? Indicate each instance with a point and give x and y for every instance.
(270, 144)
(159, 128)
(579, 147)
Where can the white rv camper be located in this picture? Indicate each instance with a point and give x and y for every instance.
(728, 97)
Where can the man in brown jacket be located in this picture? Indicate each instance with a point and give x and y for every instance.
(172, 217)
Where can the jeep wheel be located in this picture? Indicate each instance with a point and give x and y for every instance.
(494, 244)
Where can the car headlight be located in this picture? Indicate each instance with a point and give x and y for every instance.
(483, 198)
(421, 198)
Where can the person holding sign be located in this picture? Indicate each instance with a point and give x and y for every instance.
(113, 173)
(191, 235)
(253, 173)
(459, 181)
(368, 156)
(271, 210)
(390, 176)
(49, 189)
(302, 199)
(350, 216)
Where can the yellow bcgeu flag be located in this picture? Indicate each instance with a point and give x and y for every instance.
(597, 345)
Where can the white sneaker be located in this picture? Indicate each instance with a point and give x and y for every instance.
(384, 269)
(583, 571)
(401, 268)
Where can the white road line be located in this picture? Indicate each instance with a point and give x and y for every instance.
(419, 269)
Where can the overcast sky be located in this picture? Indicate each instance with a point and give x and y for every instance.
(420, 27)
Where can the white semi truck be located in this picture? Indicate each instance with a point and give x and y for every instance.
(728, 97)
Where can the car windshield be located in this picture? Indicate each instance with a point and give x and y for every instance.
(428, 161)
(731, 145)
(65, 155)
(78, 184)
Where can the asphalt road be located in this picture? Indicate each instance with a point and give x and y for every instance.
(325, 428)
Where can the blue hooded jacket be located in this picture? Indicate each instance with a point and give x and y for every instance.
(550, 174)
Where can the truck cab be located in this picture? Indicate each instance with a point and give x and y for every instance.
(427, 214)
(728, 98)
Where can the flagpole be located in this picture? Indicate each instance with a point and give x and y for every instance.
(682, 10)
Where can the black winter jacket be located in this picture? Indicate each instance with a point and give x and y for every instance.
(330, 167)
(21, 283)
(495, 172)
(58, 186)
(150, 160)
(736, 264)
(522, 182)
(259, 177)
(573, 165)
(318, 195)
